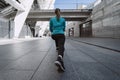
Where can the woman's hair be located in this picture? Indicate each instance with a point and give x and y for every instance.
(56, 10)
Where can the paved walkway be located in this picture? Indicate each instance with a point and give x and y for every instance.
(34, 60)
(11, 41)
(108, 43)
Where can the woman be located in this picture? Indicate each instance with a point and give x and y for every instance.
(57, 28)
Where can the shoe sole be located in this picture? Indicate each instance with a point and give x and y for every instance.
(58, 64)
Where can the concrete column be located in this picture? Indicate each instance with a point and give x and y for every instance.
(21, 17)
(76, 29)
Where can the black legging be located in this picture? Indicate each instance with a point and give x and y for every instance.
(59, 41)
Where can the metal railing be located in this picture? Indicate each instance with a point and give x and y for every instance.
(62, 10)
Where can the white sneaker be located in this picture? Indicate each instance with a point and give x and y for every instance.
(60, 65)
(60, 57)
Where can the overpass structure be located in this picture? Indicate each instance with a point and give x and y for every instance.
(34, 15)
(45, 15)
(68, 14)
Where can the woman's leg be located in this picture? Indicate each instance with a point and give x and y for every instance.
(61, 42)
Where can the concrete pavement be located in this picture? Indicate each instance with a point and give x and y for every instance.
(34, 60)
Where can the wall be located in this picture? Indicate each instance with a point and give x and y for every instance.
(106, 19)
(25, 32)
(4, 28)
(7, 29)
(75, 25)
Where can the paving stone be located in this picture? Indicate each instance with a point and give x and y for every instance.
(34, 60)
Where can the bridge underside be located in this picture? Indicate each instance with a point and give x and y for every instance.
(45, 15)
(47, 19)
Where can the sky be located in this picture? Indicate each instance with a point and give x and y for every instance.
(71, 4)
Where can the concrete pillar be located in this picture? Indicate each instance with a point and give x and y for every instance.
(21, 17)
(76, 29)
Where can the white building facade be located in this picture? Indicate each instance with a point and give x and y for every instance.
(41, 26)
(16, 26)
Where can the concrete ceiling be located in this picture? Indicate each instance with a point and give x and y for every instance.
(3, 5)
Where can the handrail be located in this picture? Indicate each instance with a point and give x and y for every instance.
(63, 10)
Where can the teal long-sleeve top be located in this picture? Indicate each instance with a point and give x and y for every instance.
(57, 26)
